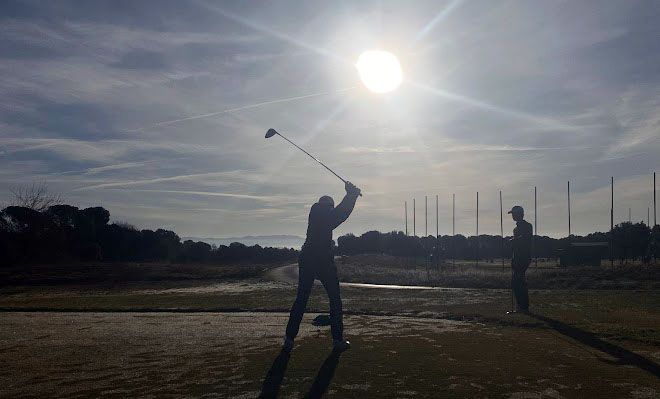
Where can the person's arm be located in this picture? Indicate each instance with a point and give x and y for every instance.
(521, 234)
(342, 211)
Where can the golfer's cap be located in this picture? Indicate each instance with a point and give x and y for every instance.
(517, 209)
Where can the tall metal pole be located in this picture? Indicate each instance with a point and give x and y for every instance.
(437, 227)
(648, 216)
(437, 236)
(612, 223)
(426, 216)
(414, 219)
(453, 229)
(502, 230)
(612, 204)
(406, 210)
(569, 208)
(536, 256)
(655, 221)
(629, 215)
(477, 228)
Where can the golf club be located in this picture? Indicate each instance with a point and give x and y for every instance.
(272, 132)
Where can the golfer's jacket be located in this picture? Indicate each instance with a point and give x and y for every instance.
(317, 250)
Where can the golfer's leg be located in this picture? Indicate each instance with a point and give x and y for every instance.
(305, 283)
(331, 284)
(517, 286)
(524, 294)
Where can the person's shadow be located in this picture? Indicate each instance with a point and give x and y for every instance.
(324, 376)
(275, 375)
(623, 356)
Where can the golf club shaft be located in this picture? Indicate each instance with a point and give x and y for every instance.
(313, 157)
(512, 305)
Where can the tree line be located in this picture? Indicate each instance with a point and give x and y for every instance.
(38, 229)
(627, 240)
(59, 233)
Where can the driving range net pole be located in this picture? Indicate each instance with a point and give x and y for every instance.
(536, 257)
(453, 229)
(437, 236)
(437, 226)
(414, 219)
(426, 216)
(477, 250)
(405, 206)
(568, 192)
(612, 222)
(501, 231)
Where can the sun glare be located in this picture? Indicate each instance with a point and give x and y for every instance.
(380, 71)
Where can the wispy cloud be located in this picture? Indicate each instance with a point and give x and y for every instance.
(378, 150)
(106, 168)
(455, 148)
(158, 112)
(243, 108)
(152, 181)
(208, 194)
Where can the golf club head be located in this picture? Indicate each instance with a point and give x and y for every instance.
(270, 133)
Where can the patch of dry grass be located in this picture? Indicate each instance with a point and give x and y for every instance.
(112, 274)
(386, 269)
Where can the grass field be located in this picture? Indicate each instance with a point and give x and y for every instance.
(385, 269)
(219, 337)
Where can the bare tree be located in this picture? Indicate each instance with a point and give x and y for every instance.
(35, 197)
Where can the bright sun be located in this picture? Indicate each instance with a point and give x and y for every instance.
(380, 71)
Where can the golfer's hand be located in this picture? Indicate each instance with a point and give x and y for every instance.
(351, 189)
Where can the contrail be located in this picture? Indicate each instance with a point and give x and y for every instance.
(439, 17)
(207, 193)
(148, 181)
(244, 107)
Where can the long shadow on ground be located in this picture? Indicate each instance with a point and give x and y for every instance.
(623, 356)
(324, 376)
(275, 376)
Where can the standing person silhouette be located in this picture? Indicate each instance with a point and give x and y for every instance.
(522, 257)
(316, 261)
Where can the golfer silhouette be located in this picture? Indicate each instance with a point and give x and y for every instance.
(316, 261)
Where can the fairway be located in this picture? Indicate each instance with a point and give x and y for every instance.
(223, 340)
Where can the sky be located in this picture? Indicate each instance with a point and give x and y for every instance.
(157, 110)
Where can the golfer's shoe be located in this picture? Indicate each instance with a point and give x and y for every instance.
(339, 346)
(288, 345)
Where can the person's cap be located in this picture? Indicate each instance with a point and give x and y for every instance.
(517, 209)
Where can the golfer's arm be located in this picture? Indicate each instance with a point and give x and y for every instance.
(343, 210)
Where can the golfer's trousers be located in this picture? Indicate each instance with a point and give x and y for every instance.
(519, 283)
(327, 274)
